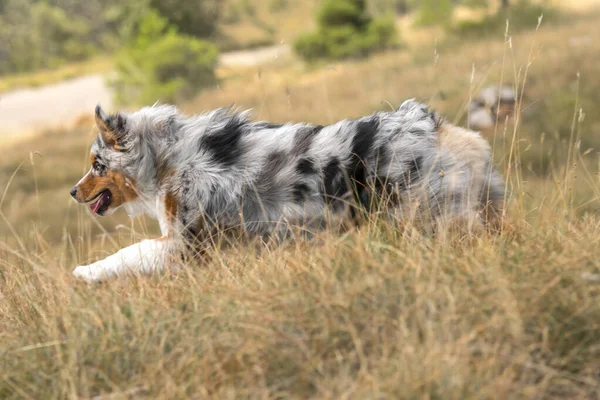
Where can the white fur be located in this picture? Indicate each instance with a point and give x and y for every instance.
(146, 257)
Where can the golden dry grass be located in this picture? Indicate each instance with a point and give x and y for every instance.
(376, 312)
(370, 314)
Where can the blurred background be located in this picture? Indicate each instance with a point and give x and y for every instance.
(378, 312)
(523, 72)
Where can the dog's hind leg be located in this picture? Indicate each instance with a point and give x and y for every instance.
(146, 257)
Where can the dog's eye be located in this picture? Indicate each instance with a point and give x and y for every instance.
(97, 166)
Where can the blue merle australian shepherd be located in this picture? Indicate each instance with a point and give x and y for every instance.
(222, 171)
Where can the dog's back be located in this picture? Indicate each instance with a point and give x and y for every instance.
(222, 168)
(409, 160)
(433, 168)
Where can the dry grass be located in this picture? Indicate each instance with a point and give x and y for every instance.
(377, 312)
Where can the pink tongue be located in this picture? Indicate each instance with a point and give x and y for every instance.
(95, 206)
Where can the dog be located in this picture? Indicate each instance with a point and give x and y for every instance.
(223, 170)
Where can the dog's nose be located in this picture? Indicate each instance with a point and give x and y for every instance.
(73, 191)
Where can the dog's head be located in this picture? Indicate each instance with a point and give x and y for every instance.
(108, 184)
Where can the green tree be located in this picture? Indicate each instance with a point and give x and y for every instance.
(191, 17)
(159, 63)
(38, 34)
(35, 34)
(345, 29)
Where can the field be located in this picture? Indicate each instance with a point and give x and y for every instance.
(379, 311)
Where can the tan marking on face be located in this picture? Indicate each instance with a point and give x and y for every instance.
(101, 124)
(110, 138)
(171, 205)
(122, 188)
(164, 173)
(126, 188)
(90, 186)
(108, 134)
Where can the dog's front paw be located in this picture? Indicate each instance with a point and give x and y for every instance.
(88, 273)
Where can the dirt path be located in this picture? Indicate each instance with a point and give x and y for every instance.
(30, 110)
(259, 56)
(26, 110)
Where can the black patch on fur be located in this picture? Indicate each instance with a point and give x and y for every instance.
(362, 144)
(306, 166)
(191, 235)
(184, 209)
(304, 137)
(428, 115)
(267, 125)
(334, 183)
(412, 174)
(266, 189)
(300, 192)
(171, 127)
(364, 137)
(275, 161)
(224, 144)
(99, 142)
(171, 123)
(119, 124)
(386, 192)
(382, 156)
(99, 166)
(116, 122)
(186, 183)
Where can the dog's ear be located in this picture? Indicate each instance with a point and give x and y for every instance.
(111, 128)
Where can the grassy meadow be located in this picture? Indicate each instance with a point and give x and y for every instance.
(380, 311)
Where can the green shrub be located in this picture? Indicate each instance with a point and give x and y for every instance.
(37, 35)
(192, 17)
(311, 46)
(343, 12)
(434, 12)
(522, 15)
(345, 30)
(343, 42)
(161, 64)
(382, 32)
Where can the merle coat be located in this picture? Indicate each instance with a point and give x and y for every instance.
(221, 170)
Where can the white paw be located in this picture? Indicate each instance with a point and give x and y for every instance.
(89, 274)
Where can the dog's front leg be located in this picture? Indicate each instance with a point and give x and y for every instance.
(145, 257)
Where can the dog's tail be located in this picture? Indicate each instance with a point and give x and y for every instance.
(472, 171)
